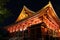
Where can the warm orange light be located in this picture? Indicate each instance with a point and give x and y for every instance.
(16, 30)
(59, 30)
(20, 29)
(46, 29)
(10, 30)
(13, 29)
(42, 26)
(25, 28)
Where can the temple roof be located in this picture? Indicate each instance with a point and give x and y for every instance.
(25, 13)
(53, 20)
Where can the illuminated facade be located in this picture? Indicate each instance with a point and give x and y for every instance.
(47, 20)
(25, 13)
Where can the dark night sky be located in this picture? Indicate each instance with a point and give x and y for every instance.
(16, 6)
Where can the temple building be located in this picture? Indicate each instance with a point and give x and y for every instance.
(41, 25)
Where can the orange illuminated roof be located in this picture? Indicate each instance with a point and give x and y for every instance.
(52, 14)
(25, 13)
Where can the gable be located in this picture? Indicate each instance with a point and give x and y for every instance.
(24, 14)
